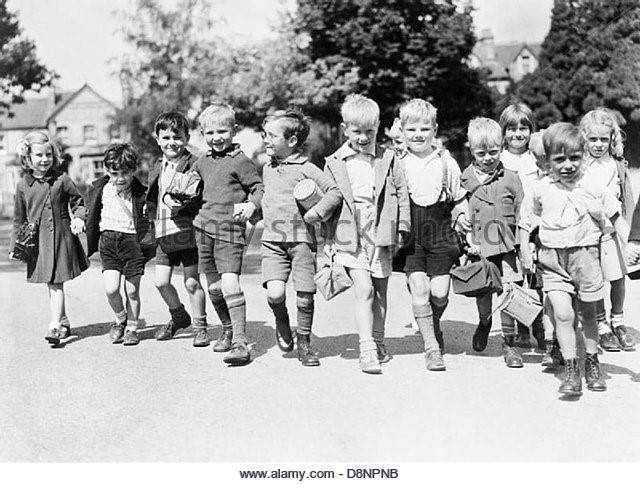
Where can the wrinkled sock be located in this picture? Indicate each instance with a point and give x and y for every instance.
(132, 325)
(200, 322)
(238, 312)
(121, 317)
(367, 344)
(220, 306)
(508, 325)
(424, 317)
(64, 321)
(305, 307)
(438, 308)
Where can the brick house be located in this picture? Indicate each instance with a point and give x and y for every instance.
(81, 121)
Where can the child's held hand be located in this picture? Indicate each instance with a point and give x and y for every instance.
(77, 226)
(311, 216)
(462, 224)
(243, 211)
(526, 257)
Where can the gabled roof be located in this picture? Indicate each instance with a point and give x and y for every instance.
(37, 112)
(505, 55)
(33, 113)
(65, 101)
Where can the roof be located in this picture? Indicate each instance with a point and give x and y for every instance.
(33, 113)
(36, 112)
(505, 54)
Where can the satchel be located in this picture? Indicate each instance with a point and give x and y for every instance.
(184, 187)
(26, 246)
(332, 279)
(478, 278)
(521, 303)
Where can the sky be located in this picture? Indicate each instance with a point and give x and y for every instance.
(79, 39)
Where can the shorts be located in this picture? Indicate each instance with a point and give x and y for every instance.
(509, 265)
(434, 261)
(184, 257)
(575, 270)
(121, 252)
(280, 259)
(218, 256)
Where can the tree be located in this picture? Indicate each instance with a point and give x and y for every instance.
(20, 69)
(172, 64)
(401, 49)
(589, 59)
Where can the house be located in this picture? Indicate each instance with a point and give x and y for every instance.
(506, 63)
(81, 121)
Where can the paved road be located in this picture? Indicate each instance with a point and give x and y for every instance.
(91, 401)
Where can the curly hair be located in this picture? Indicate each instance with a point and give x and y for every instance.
(36, 138)
(607, 118)
(121, 156)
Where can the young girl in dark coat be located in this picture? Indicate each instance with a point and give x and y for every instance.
(47, 195)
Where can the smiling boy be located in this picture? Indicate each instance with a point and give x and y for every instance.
(232, 192)
(174, 229)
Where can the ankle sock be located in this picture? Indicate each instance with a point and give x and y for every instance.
(237, 306)
(616, 320)
(220, 306)
(424, 318)
(601, 318)
(121, 317)
(132, 325)
(64, 321)
(367, 344)
(305, 306)
(200, 322)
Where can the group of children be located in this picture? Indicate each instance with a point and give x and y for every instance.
(535, 205)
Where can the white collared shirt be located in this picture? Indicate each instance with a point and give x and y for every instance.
(424, 177)
(361, 171)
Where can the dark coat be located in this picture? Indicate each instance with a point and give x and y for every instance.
(184, 165)
(60, 254)
(144, 229)
(495, 209)
(392, 202)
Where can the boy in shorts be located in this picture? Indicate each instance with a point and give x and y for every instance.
(288, 242)
(116, 226)
(174, 229)
(572, 210)
(232, 193)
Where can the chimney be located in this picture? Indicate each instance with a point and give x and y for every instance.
(487, 44)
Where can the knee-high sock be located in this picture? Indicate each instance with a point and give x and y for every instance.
(238, 313)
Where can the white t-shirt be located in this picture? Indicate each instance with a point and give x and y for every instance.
(524, 165)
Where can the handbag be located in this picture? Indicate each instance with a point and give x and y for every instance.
(184, 187)
(26, 246)
(521, 303)
(332, 279)
(477, 278)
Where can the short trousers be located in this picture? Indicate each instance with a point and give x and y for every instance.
(185, 257)
(217, 255)
(281, 259)
(509, 265)
(121, 252)
(434, 261)
(575, 270)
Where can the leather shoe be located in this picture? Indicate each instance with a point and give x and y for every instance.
(223, 343)
(284, 337)
(624, 338)
(608, 342)
(383, 354)
(433, 360)
(201, 338)
(53, 336)
(239, 354)
(169, 330)
(116, 332)
(130, 338)
(369, 363)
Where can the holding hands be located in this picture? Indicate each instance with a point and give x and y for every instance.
(77, 226)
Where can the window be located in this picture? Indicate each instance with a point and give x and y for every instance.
(526, 63)
(90, 134)
(3, 146)
(114, 132)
